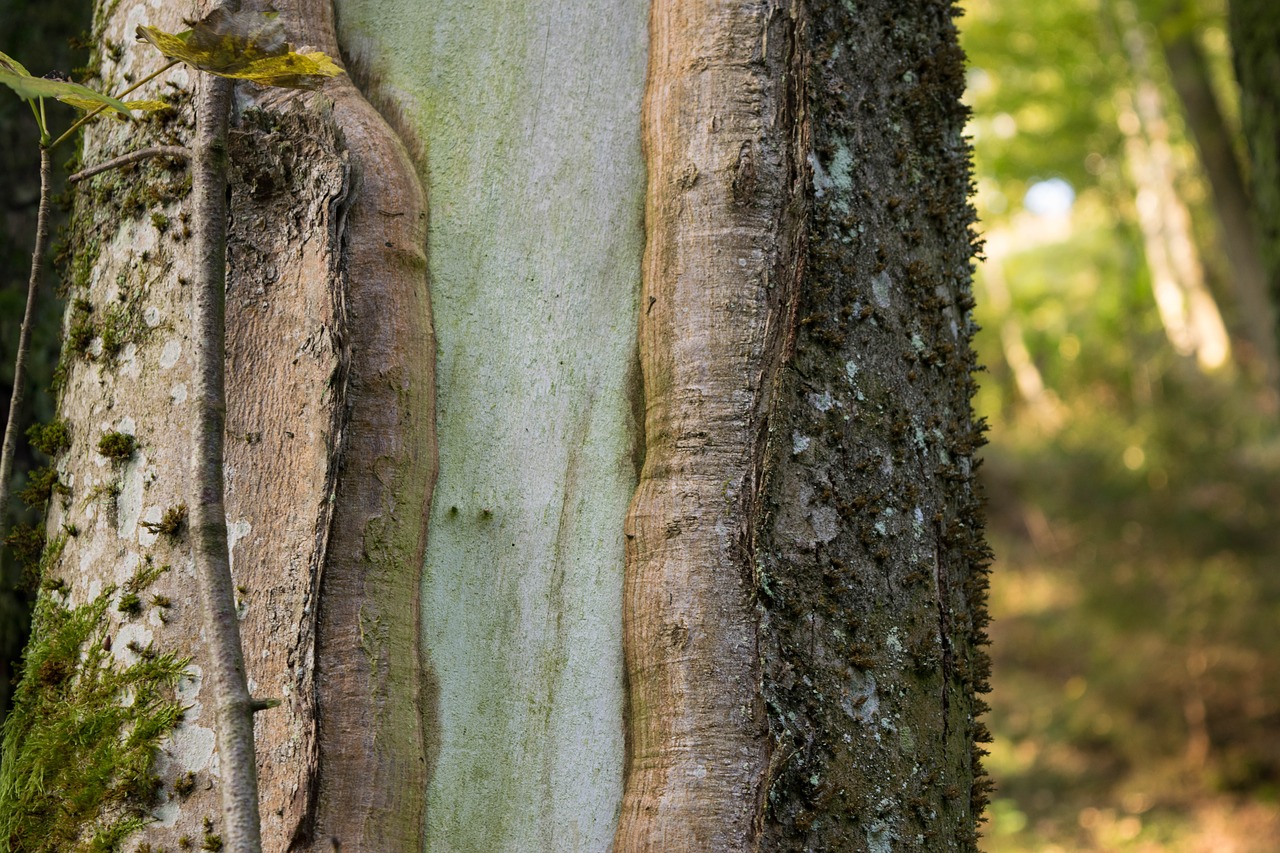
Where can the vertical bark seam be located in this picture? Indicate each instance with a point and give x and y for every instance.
(724, 134)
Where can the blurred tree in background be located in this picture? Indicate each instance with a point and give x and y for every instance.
(1132, 473)
(43, 35)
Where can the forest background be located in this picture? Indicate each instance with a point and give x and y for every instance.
(1132, 471)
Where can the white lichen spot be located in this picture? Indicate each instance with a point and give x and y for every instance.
(822, 402)
(127, 567)
(151, 316)
(191, 747)
(799, 443)
(894, 641)
(129, 361)
(88, 556)
(881, 287)
(127, 426)
(170, 354)
(134, 633)
(917, 343)
(129, 501)
(236, 531)
(851, 369)
(178, 393)
(189, 686)
(826, 523)
(917, 524)
(146, 536)
(841, 169)
(880, 838)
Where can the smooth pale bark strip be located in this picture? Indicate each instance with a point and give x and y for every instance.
(528, 117)
(233, 713)
(719, 273)
(24, 334)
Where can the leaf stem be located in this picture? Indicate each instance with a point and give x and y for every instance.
(24, 337)
(80, 122)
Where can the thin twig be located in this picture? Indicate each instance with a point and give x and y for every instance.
(177, 152)
(234, 706)
(24, 337)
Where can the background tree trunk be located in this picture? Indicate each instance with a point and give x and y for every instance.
(1255, 34)
(802, 563)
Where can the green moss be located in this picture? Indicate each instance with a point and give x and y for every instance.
(77, 771)
(26, 543)
(117, 446)
(42, 483)
(51, 438)
(171, 524)
(83, 330)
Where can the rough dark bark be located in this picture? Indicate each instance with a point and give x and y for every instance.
(870, 553)
(1255, 41)
(810, 440)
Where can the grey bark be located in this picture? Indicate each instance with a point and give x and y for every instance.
(233, 704)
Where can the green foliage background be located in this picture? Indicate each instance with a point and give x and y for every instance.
(43, 33)
(1136, 661)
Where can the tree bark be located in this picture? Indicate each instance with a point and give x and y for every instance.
(797, 590)
(1237, 229)
(1255, 36)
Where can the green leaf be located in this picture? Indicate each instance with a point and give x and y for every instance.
(244, 46)
(8, 63)
(30, 88)
(88, 104)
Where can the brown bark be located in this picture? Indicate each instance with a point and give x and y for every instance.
(721, 143)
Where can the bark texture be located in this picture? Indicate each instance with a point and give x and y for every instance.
(329, 457)
(1255, 41)
(722, 142)
(872, 567)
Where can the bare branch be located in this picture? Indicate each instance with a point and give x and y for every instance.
(177, 152)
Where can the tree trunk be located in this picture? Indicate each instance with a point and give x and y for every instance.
(1255, 42)
(1237, 231)
(716, 585)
